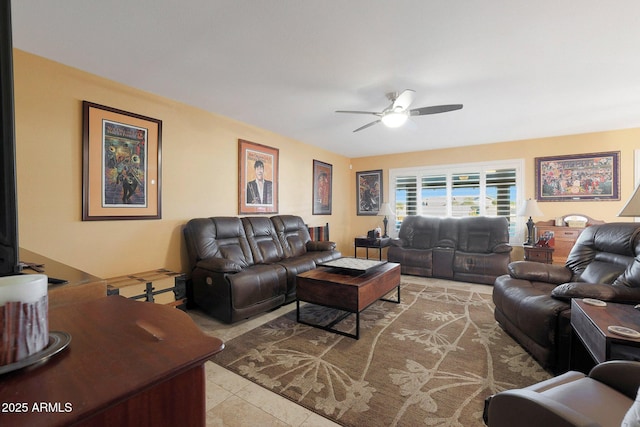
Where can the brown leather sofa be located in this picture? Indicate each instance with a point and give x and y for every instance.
(244, 266)
(533, 301)
(603, 398)
(469, 249)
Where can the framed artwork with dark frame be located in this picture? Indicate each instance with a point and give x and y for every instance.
(578, 177)
(121, 165)
(258, 178)
(369, 192)
(322, 187)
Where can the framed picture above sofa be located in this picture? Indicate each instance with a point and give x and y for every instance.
(369, 192)
(578, 177)
(322, 186)
(258, 180)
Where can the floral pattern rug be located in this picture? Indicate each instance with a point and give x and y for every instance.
(430, 360)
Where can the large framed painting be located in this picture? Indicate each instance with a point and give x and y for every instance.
(369, 192)
(121, 164)
(578, 177)
(258, 180)
(322, 185)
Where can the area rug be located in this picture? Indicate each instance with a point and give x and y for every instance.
(430, 360)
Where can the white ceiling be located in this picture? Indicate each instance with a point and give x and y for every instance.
(522, 68)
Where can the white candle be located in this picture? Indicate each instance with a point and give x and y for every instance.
(24, 316)
(24, 288)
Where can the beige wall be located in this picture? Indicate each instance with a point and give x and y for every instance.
(200, 170)
(625, 141)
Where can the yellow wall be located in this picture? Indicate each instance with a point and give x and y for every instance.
(200, 172)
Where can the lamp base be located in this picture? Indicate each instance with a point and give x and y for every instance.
(385, 221)
(530, 231)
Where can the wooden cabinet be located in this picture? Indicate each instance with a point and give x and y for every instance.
(564, 237)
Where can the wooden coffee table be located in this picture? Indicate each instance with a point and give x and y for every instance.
(350, 291)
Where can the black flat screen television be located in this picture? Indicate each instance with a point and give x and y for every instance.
(9, 249)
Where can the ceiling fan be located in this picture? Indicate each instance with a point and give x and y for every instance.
(396, 114)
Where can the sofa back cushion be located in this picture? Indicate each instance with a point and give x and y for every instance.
(603, 252)
(482, 234)
(218, 237)
(263, 240)
(292, 233)
(419, 232)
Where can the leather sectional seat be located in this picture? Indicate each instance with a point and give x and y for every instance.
(468, 249)
(533, 301)
(241, 267)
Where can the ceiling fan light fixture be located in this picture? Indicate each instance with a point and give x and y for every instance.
(394, 119)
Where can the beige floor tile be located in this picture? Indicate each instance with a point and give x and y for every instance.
(237, 412)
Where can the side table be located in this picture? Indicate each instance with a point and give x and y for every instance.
(365, 242)
(538, 254)
(590, 327)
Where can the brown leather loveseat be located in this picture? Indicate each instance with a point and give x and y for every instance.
(469, 249)
(533, 301)
(244, 266)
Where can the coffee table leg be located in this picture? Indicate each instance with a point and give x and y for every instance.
(397, 301)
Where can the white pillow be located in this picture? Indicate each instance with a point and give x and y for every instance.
(632, 417)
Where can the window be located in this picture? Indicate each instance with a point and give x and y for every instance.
(489, 189)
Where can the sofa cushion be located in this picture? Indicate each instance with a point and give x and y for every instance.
(292, 233)
(263, 240)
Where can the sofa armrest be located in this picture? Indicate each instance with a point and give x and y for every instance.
(535, 271)
(313, 246)
(526, 408)
(570, 290)
(601, 291)
(219, 265)
(502, 248)
(398, 242)
(621, 375)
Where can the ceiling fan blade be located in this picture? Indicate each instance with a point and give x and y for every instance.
(434, 110)
(367, 125)
(359, 112)
(404, 100)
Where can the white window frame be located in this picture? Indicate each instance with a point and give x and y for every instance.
(483, 167)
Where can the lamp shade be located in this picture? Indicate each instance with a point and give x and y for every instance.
(632, 208)
(530, 208)
(385, 210)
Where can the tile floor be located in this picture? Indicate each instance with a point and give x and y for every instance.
(235, 401)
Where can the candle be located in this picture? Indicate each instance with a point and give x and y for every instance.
(24, 317)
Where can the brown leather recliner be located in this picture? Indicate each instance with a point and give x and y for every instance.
(241, 267)
(469, 249)
(602, 398)
(533, 301)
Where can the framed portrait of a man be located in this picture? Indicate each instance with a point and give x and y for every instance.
(258, 180)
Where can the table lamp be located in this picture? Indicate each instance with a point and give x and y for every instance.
(632, 208)
(530, 208)
(385, 210)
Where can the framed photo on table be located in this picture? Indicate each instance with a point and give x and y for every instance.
(121, 164)
(258, 180)
(369, 192)
(322, 187)
(578, 177)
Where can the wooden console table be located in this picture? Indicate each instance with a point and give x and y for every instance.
(128, 363)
